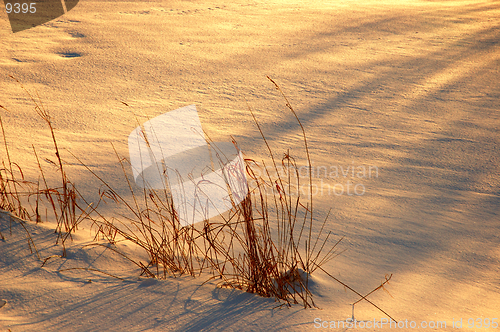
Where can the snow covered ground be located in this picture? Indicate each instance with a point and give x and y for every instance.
(410, 88)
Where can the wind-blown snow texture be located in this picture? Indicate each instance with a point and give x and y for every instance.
(410, 88)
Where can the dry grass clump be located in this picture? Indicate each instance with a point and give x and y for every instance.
(258, 246)
(16, 194)
(263, 245)
(247, 248)
(12, 184)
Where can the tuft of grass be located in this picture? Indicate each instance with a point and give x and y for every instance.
(263, 245)
(61, 199)
(12, 186)
(247, 248)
